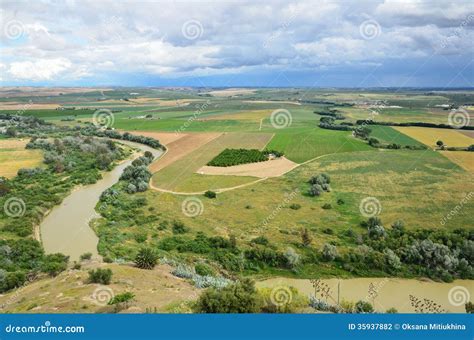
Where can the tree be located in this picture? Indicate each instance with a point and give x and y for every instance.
(440, 144)
(373, 141)
(306, 238)
(146, 258)
(239, 297)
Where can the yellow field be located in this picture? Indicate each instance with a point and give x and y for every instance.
(464, 159)
(14, 156)
(430, 136)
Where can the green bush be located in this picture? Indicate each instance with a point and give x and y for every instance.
(53, 264)
(363, 307)
(85, 256)
(99, 275)
(179, 228)
(204, 270)
(210, 194)
(240, 297)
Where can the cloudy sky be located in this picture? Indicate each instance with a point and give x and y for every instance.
(237, 43)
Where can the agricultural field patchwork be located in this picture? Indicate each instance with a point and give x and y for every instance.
(220, 202)
(429, 136)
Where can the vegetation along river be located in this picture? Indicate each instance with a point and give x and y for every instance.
(66, 228)
(388, 292)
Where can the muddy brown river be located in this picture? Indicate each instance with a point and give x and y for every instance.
(66, 228)
(391, 292)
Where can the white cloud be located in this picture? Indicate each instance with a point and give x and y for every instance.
(45, 69)
(98, 38)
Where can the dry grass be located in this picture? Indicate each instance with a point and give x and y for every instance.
(464, 159)
(429, 136)
(14, 156)
(272, 168)
(70, 292)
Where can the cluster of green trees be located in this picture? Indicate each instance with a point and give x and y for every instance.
(230, 157)
(109, 133)
(22, 260)
(420, 124)
(137, 174)
(319, 184)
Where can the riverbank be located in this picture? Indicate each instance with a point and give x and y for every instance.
(66, 228)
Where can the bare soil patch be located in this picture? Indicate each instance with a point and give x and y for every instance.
(271, 168)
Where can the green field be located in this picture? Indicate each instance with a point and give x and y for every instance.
(303, 144)
(388, 135)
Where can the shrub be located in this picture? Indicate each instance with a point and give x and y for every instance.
(140, 237)
(108, 259)
(99, 275)
(393, 261)
(260, 240)
(122, 301)
(340, 201)
(469, 306)
(146, 258)
(53, 264)
(363, 307)
(327, 206)
(203, 269)
(179, 228)
(328, 231)
(376, 232)
(210, 194)
(391, 311)
(85, 256)
(329, 252)
(239, 297)
(315, 190)
(295, 206)
(292, 257)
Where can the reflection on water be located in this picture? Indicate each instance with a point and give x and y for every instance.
(386, 293)
(66, 228)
